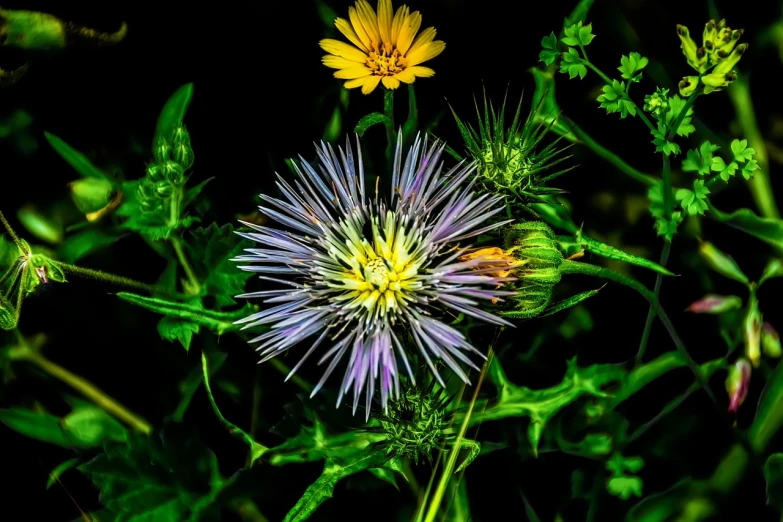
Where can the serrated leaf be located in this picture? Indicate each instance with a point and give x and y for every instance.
(676, 104)
(631, 65)
(173, 113)
(724, 171)
(602, 249)
(700, 161)
(212, 250)
(75, 159)
(153, 478)
(572, 64)
(173, 329)
(578, 34)
(568, 303)
(693, 201)
(549, 52)
(374, 118)
(748, 169)
(663, 145)
(613, 100)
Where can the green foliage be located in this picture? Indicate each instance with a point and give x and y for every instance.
(572, 64)
(664, 227)
(631, 67)
(693, 201)
(773, 473)
(370, 120)
(173, 113)
(549, 52)
(212, 249)
(700, 161)
(578, 35)
(614, 99)
(620, 484)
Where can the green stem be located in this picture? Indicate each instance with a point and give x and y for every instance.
(11, 232)
(575, 267)
(668, 196)
(667, 247)
(195, 286)
(24, 352)
(104, 276)
(388, 111)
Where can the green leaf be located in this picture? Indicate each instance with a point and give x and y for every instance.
(741, 151)
(773, 473)
(154, 478)
(172, 329)
(80, 245)
(625, 487)
(578, 34)
(41, 226)
(549, 52)
(75, 159)
(572, 64)
(57, 472)
(374, 118)
(700, 161)
(39, 426)
(568, 303)
(220, 322)
(173, 113)
(602, 249)
(631, 65)
(212, 249)
(90, 426)
(664, 227)
(767, 229)
(676, 104)
(613, 100)
(193, 192)
(725, 171)
(663, 145)
(693, 201)
(748, 168)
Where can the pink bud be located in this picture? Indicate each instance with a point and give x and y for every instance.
(715, 304)
(737, 384)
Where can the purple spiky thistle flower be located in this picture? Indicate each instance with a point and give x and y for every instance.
(364, 274)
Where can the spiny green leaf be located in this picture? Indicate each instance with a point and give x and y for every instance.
(374, 118)
(602, 249)
(173, 329)
(549, 52)
(212, 249)
(75, 159)
(568, 303)
(173, 113)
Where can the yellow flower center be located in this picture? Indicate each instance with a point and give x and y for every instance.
(385, 60)
(377, 274)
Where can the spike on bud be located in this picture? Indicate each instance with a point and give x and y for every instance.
(770, 341)
(752, 332)
(738, 383)
(721, 263)
(715, 304)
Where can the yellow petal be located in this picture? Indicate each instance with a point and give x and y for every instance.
(410, 74)
(425, 37)
(409, 29)
(352, 73)
(369, 20)
(426, 52)
(343, 49)
(399, 20)
(352, 84)
(385, 12)
(390, 82)
(370, 83)
(344, 26)
(358, 27)
(336, 62)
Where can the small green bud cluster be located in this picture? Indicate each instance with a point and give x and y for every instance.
(173, 157)
(533, 244)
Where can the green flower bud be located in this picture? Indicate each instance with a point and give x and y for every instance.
(752, 332)
(657, 103)
(737, 384)
(721, 263)
(182, 154)
(162, 151)
(180, 136)
(173, 172)
(91, 194)
(147, 195)
(715, 304)
(770, 341)
(155, 172)
(163, 189)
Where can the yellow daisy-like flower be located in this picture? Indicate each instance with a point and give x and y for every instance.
(385, 47)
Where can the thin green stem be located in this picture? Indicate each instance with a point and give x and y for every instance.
(24, 352)
(575, 267)
(103, 276)
(11, 232)
(668, 196)
(195, 286)
(667, 247)
(388, 111)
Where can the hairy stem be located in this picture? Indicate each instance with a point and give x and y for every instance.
(176, 242)
(11, 232)
(24, 352)
(104, 276)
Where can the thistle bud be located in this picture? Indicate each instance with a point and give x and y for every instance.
(173, 172)
(721, 263)
(182, 154)
(147, 195)
(162, 151)
(752, 332)
(91, 194)
(715, 304)
(770, 341)
(163, 189)
(154, 172)
(737, 384)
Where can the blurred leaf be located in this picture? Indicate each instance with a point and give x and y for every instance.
(154, 478)
(173, 113)
(767, 229)
(193, 192)
(57, 472)
(773, 473)
(374, 118)
(625, 487)
(75, 159)
(531, 514)
(80, 245)
(42, 227)
(90, 425)
(172, 329)
(39, 426)
(212, 249)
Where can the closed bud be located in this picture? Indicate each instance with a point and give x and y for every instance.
(173, 172)
(737, 384)
(163, 189)
(752, 332)
(7, 318)
(162, 151)
(770, 341)
(91, 194)
(721, 263)
(180, 136)
(715, 304)
(155, 172)
(182, 154)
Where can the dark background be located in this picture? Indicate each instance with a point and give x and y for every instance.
(261, 96)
